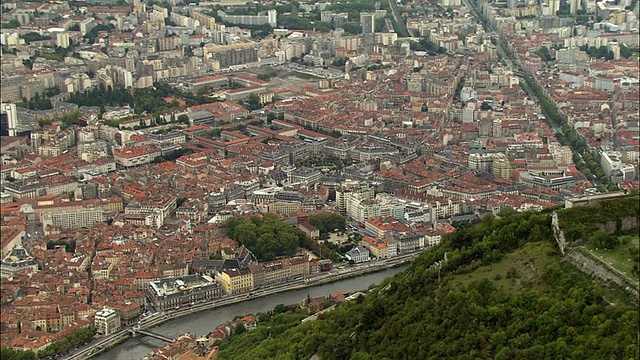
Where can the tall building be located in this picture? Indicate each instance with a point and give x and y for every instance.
(107, 321)
(272, 17)
(368, 23)
(62, 39)
(364, 191)
(8, 120)
(478, 161)
(71, 218)
(501, 166)
(224, 56)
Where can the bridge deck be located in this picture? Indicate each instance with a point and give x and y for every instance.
(153, 335)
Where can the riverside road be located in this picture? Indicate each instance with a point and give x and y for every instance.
(351, 278)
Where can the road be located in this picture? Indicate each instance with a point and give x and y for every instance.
(403, 31)
(511, 64)
(155, 319)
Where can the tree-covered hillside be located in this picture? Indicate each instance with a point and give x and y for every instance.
(503, 293)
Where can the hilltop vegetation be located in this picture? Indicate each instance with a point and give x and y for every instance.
(503, 293)
(582, 223)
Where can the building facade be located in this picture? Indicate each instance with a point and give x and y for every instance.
(174, 292)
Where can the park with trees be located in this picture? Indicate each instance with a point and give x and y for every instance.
(268, 237)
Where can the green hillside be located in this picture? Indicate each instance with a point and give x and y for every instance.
(503, 293)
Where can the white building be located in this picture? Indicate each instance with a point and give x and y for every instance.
(358, 254)
(107, 321)
(368, 23)
(610, 162)
(62, 39)
(71, 218)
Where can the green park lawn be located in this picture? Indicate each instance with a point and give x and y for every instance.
(620, 257)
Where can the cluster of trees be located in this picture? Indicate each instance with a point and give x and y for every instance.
(34, 36)
(101, 96)
(628, 52)
(459, 86)
(378, 66)
(11, 24)
(352, 28)
(58, 53)
(301, 23)
(333, 133)
(425, 45)
(149, 100)
(354, 8)
(353, 239)
(93, 34)
(327, 223)
(584, 222)
(270, 237)
(266, 238)
(252, 102)
(585, 163)
(79, 337)
(69, 246)
(37, 102)
(272, 323)
(70, 119)
(419, 315)
(10, 354)
(601, 52)
(172, 156)
(544, 54)
(266, 76)
(339, 62)
(322, 161)
(569, 137)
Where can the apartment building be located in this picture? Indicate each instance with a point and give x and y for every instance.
(161, 207)
(71, 218)
(236, 281)
(135, 155)
(223, 56)
(107, 321)
(174, 292)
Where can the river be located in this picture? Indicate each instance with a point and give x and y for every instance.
(202, 323)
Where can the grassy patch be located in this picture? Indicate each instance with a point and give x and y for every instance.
(306, 76)
(518, 271)
(621, 258)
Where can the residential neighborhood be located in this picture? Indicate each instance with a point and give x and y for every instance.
(161, 154)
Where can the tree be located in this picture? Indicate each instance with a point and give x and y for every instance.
(183, 119)
(352, 28)
(603, 239)
(252, 102)
(240, 329)
(12, 24)
(45, 122)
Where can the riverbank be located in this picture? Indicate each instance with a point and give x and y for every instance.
(204, 322)
(364, 269)
(368, 270)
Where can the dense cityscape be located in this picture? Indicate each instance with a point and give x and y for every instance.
(162, 155)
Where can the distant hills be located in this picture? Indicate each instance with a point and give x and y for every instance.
(498, 289)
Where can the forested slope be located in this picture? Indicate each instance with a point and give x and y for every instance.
(503, 293)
